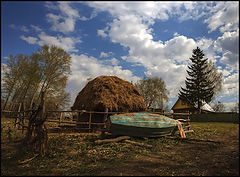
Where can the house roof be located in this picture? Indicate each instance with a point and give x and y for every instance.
(207, 107)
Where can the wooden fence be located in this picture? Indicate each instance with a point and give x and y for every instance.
(72, 119)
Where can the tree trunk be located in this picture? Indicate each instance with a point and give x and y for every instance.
(5, 104)
(36, 126)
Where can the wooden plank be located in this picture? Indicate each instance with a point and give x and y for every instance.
(188, 131)
(139, 144)
(184, 120)
(120, 138)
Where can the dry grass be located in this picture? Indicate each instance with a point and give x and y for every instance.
(76, 154)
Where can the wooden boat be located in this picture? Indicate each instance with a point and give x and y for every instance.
(142, 124)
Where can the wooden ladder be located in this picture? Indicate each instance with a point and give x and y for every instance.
(187, 126)
(181, 131)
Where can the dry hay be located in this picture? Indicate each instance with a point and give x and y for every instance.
(111, 92)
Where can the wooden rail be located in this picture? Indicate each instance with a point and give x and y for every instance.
(59, 118)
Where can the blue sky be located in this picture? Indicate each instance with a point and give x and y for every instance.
(131, 40)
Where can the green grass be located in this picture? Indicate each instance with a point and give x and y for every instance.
(78, 155)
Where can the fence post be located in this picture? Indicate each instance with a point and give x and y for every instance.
(60, 119)
(18, 115)
(90, 121)
(105, 118)
(78, 117)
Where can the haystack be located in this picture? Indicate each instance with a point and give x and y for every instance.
(109, 93)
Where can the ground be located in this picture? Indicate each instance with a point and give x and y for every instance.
(76, 154)
(187, 159)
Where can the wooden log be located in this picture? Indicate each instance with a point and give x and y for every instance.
(120, 138)
(188, 131)
(28, 160)
(193, 139)
(139, 144)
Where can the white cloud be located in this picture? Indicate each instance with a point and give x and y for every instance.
(207, 45)
(36, 28)
(224, 15)
(102, 32)
(131, 28)
(65, 21)
(112, 61)
(30, 40)
(67, 43)
(229, 41)
(231, 84)
(150, 10)
(105, 55)
(229, 27)
(19, 27)
(176, 34)
(65, 17)
(228, 44)
(157, 57)
(225, 72)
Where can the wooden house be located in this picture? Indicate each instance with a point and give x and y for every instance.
(183, 107)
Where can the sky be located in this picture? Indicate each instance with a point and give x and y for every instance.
(131, 40)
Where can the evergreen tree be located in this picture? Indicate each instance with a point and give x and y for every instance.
(199, 88)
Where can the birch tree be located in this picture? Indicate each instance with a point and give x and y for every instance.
(154, 91)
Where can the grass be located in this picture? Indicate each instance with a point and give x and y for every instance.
(78, 155)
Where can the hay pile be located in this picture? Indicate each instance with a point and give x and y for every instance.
(111, 92)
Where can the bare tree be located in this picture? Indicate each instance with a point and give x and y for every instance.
(219, 107)
(215, 77)
(235, 108)
(26, 77)
(153, 91)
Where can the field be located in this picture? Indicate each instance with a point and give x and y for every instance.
(76, 154)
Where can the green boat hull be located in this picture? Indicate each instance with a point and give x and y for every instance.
(117, 129)
(142, 125)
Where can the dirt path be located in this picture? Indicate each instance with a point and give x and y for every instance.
(189, 158)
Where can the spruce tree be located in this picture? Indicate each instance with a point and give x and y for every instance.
(199, 88)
